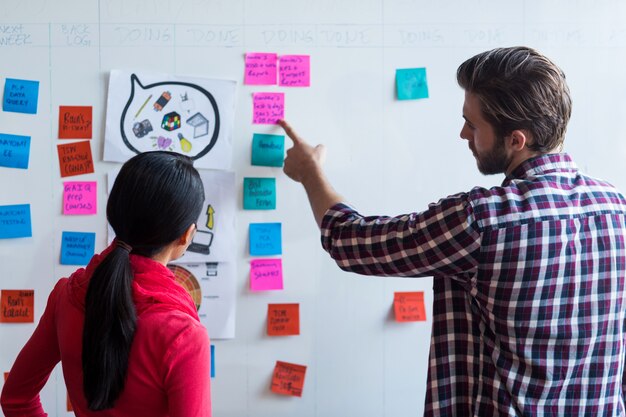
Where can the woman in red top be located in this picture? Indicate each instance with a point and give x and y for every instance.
(127, 335)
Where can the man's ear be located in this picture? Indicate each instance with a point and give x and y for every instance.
(518, 139)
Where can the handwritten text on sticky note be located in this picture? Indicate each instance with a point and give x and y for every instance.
(288, 379)
(411, 83)
(260, 69)
(15, 221)
(409, 306)
(75, 158)
(14, 151)
(75, 122)
(20, 96)
(16, 306)
(268, 108)
(266, 274)
(80, 197)
(294, 71)
(283, 319)
(259, 193)
(77, 248)
(265, 239)
(268, 150)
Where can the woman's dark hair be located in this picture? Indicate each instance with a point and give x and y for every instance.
(155, 198)
(520, 89)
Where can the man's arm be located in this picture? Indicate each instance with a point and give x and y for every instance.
(304, 165)
(442, 240)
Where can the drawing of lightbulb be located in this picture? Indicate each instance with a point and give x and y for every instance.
(185, 145)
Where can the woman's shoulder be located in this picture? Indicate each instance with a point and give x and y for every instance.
(168, 325)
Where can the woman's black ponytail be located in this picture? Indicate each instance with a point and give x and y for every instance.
(110, 322)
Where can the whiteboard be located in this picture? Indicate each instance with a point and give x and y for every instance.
(385, 156)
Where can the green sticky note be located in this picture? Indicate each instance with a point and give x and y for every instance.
(268, 150)
(259, 193)
(411, 83)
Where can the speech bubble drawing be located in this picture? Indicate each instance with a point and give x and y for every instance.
(183, 115)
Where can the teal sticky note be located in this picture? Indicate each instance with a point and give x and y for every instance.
(411, 83)
(77, 248)
(265, 239)
(20, 96)
(14, 151)
(212, 361)
(15, 221)
(259, 193)
(268, 150)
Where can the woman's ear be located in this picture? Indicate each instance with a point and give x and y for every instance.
(186, 238)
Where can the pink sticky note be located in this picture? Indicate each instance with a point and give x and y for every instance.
(294, 71)
(260, 69)
(80, 197)
(269, 108)
(266, 274)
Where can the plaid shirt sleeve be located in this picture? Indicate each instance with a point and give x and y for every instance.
(443, 240)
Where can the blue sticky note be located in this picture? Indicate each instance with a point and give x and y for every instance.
(268, 150)
(411, 83)
(77, 248)
(259, 193)
(265, 239)
(15, 221)
(212, 361)
(20, 96)
(14, 151)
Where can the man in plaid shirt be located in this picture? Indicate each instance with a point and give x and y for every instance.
(529, 302)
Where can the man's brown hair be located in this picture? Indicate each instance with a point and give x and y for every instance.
(520, 89)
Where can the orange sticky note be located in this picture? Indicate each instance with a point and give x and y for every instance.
(69, 403)
(16, 306)
(75, 122)
(6, 375)
(75, 158)
(288, 379)
(283, 319)
(409, 306)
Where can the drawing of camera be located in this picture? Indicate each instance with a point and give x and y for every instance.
(141, 129)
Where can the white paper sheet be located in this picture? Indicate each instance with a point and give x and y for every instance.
(191, 116)
(212, 287)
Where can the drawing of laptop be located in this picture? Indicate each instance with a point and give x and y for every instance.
(201, 242)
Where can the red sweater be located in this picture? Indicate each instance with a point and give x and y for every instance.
(169, 365)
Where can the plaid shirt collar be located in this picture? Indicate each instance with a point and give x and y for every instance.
(541, 165)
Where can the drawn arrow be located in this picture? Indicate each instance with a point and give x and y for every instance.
(210, 211)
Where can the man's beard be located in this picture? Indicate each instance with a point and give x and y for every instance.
(494, 161)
